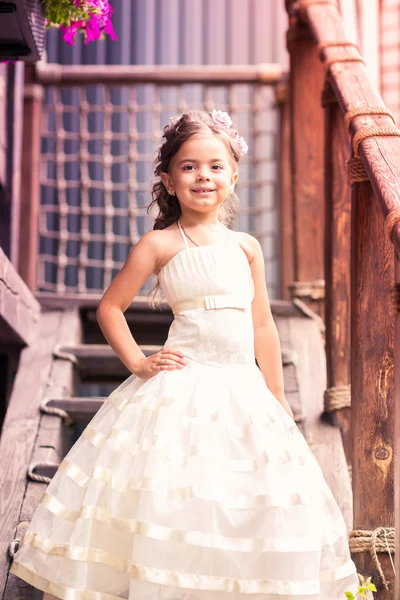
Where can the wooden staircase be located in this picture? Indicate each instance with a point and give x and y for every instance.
(47, 411)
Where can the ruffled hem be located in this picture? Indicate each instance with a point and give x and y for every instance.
(188, 581)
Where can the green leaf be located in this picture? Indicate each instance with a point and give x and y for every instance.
(349, 596)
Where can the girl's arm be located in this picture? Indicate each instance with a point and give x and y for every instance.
(142, 262)
(266, 338)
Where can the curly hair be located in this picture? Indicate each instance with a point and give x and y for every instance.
(176, 132)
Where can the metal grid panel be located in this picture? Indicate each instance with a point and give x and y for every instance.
(98, 147)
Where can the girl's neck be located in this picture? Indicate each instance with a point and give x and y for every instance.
(190, 222)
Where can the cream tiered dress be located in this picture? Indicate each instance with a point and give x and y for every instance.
(195, 484)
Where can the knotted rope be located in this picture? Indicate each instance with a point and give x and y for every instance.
(13, 547)
(32, 476)
(315, 290)
(337, 397)
(373, 542)
(61, 354)
(372, 131)
(304, 4)
(53, 410)
(361, 111)
(356, 172)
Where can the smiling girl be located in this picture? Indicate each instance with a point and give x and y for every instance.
(192, 482)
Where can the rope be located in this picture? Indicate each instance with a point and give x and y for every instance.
(338, 43)
(337, 59)
(337, 397)
(315, 290)
(59, 412)
(302, 306)
(304, 4)
(32, 476)
(13, 547)
(58, 353)
(367, 132)
(356, 172)
(364, 111)
(392, 218)
(372, 542)
(395, 300)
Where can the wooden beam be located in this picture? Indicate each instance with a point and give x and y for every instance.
(19, 309)
(372, 337)
(397, 423)
(337, 261)
(30, 181)
(307, 125)
(285, 191)
(71, 75)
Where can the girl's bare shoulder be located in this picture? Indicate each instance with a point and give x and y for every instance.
(159, 239)
(249, 244)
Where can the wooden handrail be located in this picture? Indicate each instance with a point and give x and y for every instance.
(361, 349)
(69, 75)
(352, 87)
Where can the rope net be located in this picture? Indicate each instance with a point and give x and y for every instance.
(97, 151)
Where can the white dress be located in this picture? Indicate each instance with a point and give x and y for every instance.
(195, 484)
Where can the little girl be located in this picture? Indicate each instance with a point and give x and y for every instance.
(192, 482)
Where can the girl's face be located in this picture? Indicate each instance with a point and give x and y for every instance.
(201, 174)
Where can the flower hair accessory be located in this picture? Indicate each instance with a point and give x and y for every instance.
(223, 120)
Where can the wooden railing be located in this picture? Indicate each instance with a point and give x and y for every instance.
(343, 157)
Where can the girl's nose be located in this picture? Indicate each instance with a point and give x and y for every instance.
(201, 176)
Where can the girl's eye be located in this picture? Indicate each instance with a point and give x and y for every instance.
(217, 167)
(187, 167)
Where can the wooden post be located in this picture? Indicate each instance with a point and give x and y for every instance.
(286, 248)
(397, 420)
(372, 338)
(30, 180)
(307, 127)
(337, 264)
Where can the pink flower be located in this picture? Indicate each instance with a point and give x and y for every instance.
(221, 118)
(93, 29)
(243, 147)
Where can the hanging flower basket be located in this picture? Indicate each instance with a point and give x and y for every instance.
(23, 24)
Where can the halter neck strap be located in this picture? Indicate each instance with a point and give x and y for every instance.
(183, 235)
(228, 232)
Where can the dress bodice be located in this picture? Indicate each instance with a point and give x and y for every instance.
(210, 289)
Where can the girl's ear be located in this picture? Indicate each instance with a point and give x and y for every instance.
(166, 179)
(234, 178)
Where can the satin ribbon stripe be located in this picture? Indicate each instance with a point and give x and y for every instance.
(193, 538)
(188, 580)
(116, 442)
(120, 484)
(223, 496)
(234, 431)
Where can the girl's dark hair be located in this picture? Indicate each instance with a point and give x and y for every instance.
(178, 131)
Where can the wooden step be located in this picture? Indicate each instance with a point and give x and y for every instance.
(99, 362)
(82, 410)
